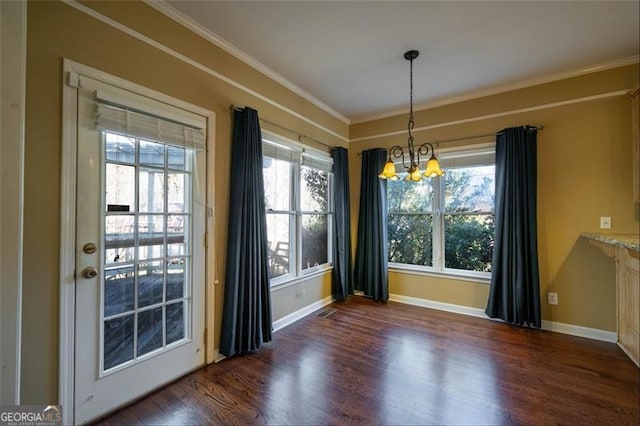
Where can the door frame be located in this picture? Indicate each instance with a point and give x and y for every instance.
(70, 81)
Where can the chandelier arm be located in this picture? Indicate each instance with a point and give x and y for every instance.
(424, 150)
(397, 151)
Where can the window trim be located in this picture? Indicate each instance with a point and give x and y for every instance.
(438, 268)
(298, 152)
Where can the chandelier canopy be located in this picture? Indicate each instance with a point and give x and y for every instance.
(412, 166)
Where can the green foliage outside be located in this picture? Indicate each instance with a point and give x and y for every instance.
(469, 242)
(468, 219)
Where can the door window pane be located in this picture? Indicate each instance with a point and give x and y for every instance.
(120, 184)
(151, 153)
(118, 290)
(176, 192)
(175, 279)
(120, 148)
(150, 283)
(118, 341)
(150, 252)
(119, 238)
(149, 330)
(175, 228)
(175, 322)
(176, 158)
(150, 229)
(151, 191)
(314, 240)
(177, 239)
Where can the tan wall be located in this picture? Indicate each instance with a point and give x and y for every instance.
(57, 31)
(584, 172)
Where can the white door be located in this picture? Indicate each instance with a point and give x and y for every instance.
(139, 312)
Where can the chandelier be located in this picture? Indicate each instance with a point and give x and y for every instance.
(413, 165)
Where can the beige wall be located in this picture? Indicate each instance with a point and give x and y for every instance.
(58, 31)
(584, 172)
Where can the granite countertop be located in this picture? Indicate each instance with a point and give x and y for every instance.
(630, 241)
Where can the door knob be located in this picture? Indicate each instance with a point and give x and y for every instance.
(89, 272)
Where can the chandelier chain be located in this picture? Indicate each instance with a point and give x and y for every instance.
(397, 151)
(411, 90)
(412, 159)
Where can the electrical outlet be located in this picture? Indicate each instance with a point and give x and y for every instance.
(552, 298)
(605, 222)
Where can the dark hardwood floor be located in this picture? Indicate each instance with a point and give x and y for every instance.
(373, 363)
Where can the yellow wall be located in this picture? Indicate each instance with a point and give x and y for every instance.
(584, 172)
(57, 31)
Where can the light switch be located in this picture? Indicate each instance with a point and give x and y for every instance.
(605, 222)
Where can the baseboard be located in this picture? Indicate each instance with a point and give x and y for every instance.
(300, 313)
(579, 331)
(441, 306)
(557, 327)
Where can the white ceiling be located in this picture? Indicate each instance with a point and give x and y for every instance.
(349, 54)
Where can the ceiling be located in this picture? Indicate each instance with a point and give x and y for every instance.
(348, 55)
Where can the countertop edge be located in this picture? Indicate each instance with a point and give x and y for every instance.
(618, 240)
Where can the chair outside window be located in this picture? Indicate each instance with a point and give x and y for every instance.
(279, 259)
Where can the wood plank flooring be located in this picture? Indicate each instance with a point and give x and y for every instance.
(374, 363)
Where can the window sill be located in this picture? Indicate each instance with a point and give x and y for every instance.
(312, 273)
(477, 277)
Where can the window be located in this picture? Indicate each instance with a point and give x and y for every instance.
(147, 256)
(445, 224)
(297, 200)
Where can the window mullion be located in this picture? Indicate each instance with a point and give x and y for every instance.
(297, 222)
(438, 223)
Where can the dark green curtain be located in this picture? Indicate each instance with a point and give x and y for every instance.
(514, 295)
(246, 317)
(371, 268)
(342, 283)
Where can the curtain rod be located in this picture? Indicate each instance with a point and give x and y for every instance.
(232, 107)
(539, 127)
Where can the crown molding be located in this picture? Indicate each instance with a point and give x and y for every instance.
(168, 10)
(630, 60)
